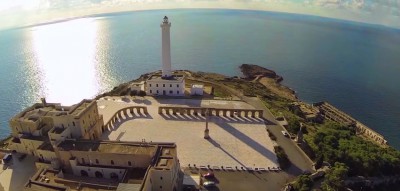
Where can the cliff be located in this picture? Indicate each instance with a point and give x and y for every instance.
(252, 71)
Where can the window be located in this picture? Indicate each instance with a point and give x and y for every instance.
(97, 161)
(163, 85)
(73, 123)
(150, 85)
(151, 91)
(177, 85)
(160, 178)
(170, 85)
(83, 161)
(83, 121)
(170, 91)
(129, 163)
(177, 92)
(156, 85)
(112, 162)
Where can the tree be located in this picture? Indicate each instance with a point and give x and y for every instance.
(303, 183)
(293, 125)
(334, 179)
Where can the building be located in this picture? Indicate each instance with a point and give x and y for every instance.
(70, 156)
(53, 123)
(166, 84)
(137, 86)
(308, 112)
(111, 165)
(196, 89)
(174, 86)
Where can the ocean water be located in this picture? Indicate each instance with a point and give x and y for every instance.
(353, 66)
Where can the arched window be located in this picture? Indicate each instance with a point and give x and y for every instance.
(84, 173)
(112, 162)
(114, 175)
(129, 163)
(98, 174)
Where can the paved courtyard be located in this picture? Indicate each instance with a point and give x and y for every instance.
(241, 142)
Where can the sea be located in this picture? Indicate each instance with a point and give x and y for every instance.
(354, 66)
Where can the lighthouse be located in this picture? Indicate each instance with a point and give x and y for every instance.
(166, 84)
(166, 48)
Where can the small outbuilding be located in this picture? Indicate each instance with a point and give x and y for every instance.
(138, 86)
(196, 89)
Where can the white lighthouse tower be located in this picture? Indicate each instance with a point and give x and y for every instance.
(166, 84)
(166, 48)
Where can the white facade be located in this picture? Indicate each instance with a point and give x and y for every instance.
(137, 86)
(170, 87)
(196, 89)
(166, 48)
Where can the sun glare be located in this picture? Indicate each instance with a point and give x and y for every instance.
(65, 55)
(19, 4)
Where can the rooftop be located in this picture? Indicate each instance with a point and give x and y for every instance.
(39, 110)
(44, 180)
(81, 107)
(57, 130)
(108, 147)
(46, 146)
(36, 138)
(166, 157)
(197, 86)
(173, 78)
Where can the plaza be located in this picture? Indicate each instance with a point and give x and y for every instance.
(235, 142)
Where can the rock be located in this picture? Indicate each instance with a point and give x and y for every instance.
(252, 71)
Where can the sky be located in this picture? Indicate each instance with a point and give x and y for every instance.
(17, 13)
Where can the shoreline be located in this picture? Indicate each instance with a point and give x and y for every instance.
(269, 80)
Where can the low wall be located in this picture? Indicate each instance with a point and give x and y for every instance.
(211, 111)
(334, 114)
(124, 111)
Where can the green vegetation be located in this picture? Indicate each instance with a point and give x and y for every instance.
(335, 143)
(334, 179)
(303, 183)
(219, 92)
(282, 157)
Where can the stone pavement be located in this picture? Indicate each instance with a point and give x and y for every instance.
(15, 174)
(235, 142)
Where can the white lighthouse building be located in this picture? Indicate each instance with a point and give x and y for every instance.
(166, 84)
(166, 48)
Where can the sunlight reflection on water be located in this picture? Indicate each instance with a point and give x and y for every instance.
(67, 61)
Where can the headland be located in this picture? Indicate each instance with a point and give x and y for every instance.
(184, 130)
